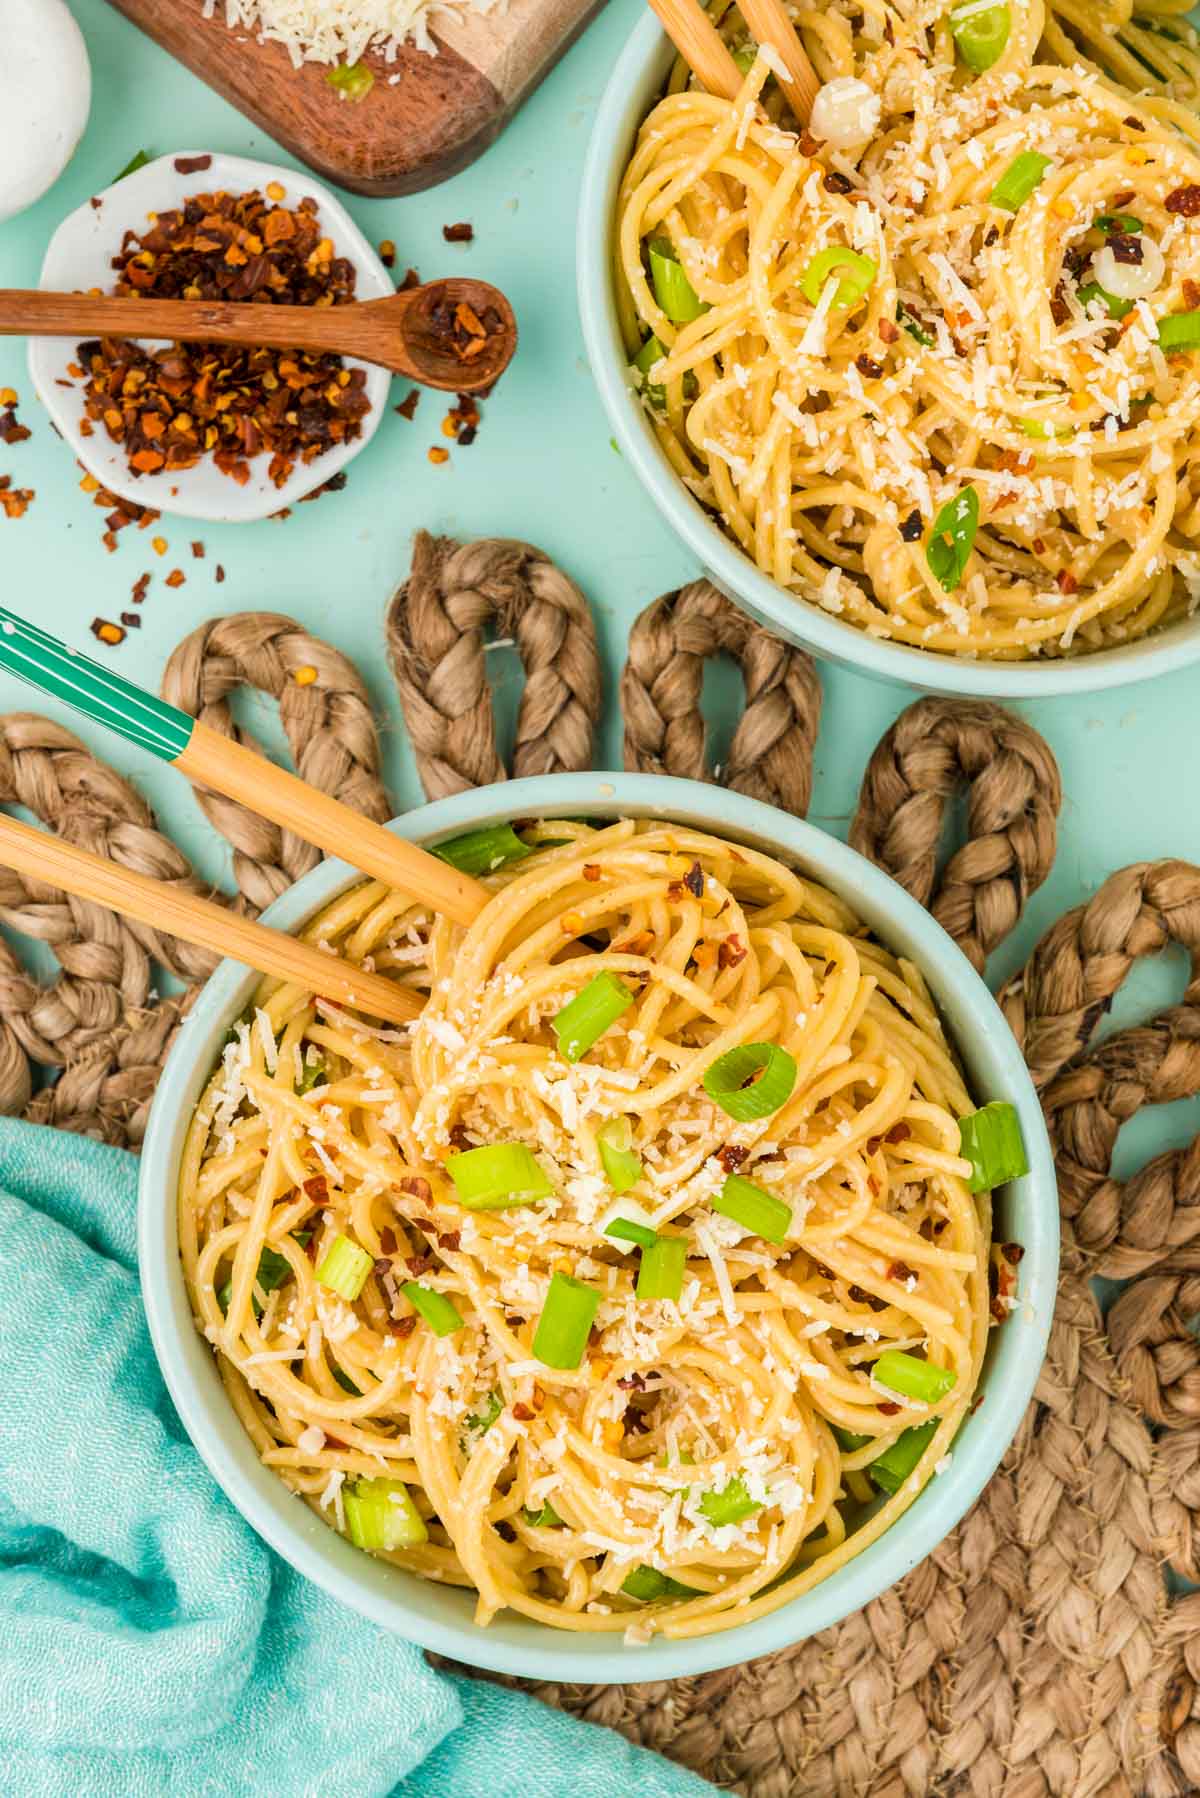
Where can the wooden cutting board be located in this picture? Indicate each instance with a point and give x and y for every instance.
(404, 135)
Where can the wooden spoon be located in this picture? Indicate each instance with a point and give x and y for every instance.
(426, 333)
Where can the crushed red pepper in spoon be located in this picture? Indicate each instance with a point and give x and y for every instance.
(170, 407)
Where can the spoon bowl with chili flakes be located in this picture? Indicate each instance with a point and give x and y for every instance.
(212, 431)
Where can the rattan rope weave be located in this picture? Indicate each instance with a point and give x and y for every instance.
(1036, 1654)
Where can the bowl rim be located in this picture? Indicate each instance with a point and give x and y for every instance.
(800, 621)
(124, 204)
(391, 1597)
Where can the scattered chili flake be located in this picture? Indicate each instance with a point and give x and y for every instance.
(402, 1326)
(138, 591)
(14, 501)
(316, 1188)
(1065, 581)
(693, 880)
(192, 165)
(462, 233)
(888, 331)
(810, 145)
(990, 236)
(1013, 1252)
(132, 619)
(591, 870)
(910, 530)
(467, 436)
(172, 407)
(409, 403)
(1122, 199)
(900, 1270)
(411, 279)
(450, 1240)
(1191, 295)
(1134, 124)
(888, 1408)
(437, 454)
(1184, 200)
(862, 1297)
(387, 253)
(522, 1413)
(198, 551)
(868, 368)
(176, 578)
(731, 952)
(219, 574)
(417, 1187)
(10, 430)
(731, 1156)
(105, 631)
(837, 183)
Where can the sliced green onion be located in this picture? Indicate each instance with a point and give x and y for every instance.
(138, 160)
(914, 1378)
(1124, 222)
(352, 80)
(344, 1268)
(651, 352)
(893, 1467)
(726, 1080)
(625, 1230)
(381, 1514)
(480, 1422)
(1092, 290)
(745, 58)
(648, 1584)
(346, 1383)
(498, 1175)
(991, 1140)
(672, 289)
(905, 318)
(1181, 331)
(860, 273)
(545, 1519)
(847, 1440)
(565, 1323)
(1042, 432)
(273, 1270)
(622, 1168)
(442, 1317)
(1021, 178)
(757, 1211)
(980, 34)
(584, 1019)
(313, 1074)
(951, 538)
(660, 1275)
(482, 851)
(732, 1504)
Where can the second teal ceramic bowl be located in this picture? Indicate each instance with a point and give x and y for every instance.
(634, 86)
(439, 1617)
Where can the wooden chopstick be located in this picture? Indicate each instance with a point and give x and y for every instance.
(704, 50)
(40, 856)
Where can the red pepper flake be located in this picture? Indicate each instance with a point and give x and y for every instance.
(132, 619)
(900, 1270)
(888, 1408)
(437, 454)
(731, 1156)
(522, 1413)
(10, 430)
(810, 145)
(316, 1189)
(1184, 200)
(731, 953)
(198, 551)
(109, 540)
(910, 530)
(14, 501)
(1191, 295)
(387, 253)
(888, 331)
(1134, 125)
(693, 880)
(1065, 581)
(219, 574)
(591, 870)
(192, 165)
(409, 403)
(402, 1326)
(176, 578)
(417, 1188)
(137, 592)
(462, 233)
(105, 631)
(450, 1240)
(1123, 198)
(868, 368)
(861, 1296)
(1013, 1252)
(411, 279)
(387, 1240)
(418, 1264)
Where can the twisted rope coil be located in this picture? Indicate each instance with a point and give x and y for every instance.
(771, 753)
(436, 626)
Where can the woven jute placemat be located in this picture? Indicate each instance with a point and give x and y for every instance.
(1039, 1650)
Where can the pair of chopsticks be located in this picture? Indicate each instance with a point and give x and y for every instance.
(706, 53)
(213, 761)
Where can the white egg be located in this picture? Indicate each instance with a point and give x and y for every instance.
(45, 94)
(845, 113)
(1131, 280)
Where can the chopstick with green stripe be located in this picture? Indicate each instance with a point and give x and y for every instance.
(218, 762)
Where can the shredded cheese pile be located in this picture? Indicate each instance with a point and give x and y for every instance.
(741, 1382)
(342, 30)
(835, 439)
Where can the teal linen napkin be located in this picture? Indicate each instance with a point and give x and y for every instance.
(149, 1641)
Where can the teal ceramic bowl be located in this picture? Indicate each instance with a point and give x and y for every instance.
(440, 1617)
(635, 84)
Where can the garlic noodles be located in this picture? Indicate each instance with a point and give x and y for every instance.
(930, 362)
(645, 1278)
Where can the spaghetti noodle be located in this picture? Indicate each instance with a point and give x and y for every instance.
(941, 382)
(385, 1235)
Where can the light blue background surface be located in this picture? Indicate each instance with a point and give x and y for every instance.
(542, 468)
